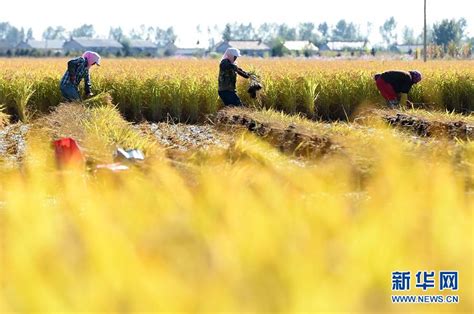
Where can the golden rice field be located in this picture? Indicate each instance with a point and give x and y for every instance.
(186, 89)
(243, 227)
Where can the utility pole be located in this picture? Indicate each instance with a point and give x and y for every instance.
(424, 37)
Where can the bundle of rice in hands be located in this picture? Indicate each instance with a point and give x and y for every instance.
(254, 86)
(101, 99)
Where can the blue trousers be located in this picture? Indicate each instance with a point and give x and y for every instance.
(70, 92)
(230, 98)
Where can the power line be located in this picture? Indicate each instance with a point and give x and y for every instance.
(424, 35)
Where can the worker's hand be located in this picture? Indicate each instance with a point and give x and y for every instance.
(72, 79)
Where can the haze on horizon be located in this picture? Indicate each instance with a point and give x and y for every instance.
(184, 16)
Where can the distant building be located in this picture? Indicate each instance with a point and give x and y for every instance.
(6, 47)
(166, 50)
(346, 45)
(301, 47)
(409, 49)
(143, 47)
(255, 48)
(42, 46)
(104, 46)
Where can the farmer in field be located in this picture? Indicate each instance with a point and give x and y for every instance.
(78, 69)
(228, 71)
(395, 85)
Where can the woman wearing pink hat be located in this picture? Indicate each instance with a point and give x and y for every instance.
(395, 85)
(228, 71)
(78, 69)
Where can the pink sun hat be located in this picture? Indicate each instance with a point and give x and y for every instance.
(92, 58)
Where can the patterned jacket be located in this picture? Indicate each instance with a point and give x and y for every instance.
(77, 70)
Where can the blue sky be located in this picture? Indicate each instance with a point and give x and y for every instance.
(185, 15)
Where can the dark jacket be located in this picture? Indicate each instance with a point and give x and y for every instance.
(400, 81)
(228, 75)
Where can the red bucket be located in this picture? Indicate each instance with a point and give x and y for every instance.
(68, 152)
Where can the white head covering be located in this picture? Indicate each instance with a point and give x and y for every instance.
(230, 53)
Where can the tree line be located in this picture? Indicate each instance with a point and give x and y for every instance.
(443, 33)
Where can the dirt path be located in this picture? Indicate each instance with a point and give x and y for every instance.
(220, 133)
(289, 138)
(187, 137)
